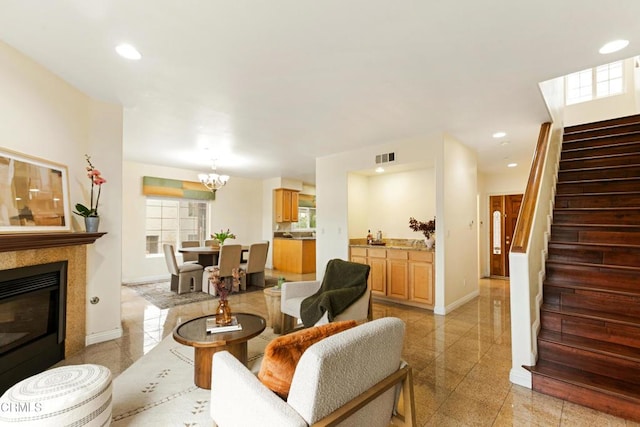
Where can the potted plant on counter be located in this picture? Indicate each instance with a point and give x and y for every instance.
(427, 228)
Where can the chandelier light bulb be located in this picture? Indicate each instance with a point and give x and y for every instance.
(213, 181)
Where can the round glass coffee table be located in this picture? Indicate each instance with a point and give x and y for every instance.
(194, 333)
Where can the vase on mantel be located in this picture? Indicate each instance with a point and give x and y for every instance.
(91, 223)
(223, 313)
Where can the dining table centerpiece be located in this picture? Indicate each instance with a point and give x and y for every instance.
(224, 286)
(223, 235)
(90, 214)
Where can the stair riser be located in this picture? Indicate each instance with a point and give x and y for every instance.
(600, 133)
(606, 255)
(612, 146)
(627, 216)
(591, 235)
(625, 408)
(598, 186)
(620, 280)
(631, 159)
(600, 330)
(589, 361)
(598, 201)
(600, 173)
(609, 124)
(602, 302)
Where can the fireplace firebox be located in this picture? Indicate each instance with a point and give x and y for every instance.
(32, 320)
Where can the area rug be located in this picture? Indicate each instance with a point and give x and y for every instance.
(160, 294)
(158, 389)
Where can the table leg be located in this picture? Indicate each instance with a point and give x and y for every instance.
(203, 357)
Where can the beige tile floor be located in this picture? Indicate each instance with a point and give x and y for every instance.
(460, 361)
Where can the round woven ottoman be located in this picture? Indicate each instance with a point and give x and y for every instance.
(76, 395)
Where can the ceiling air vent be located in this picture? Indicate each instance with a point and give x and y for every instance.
(385, 158)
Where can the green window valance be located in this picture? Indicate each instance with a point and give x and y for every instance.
(164, 187)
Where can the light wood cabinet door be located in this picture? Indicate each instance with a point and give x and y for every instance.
(286, 205)
(294, 206)
(421, 282)
(378, 275)
(397, 274)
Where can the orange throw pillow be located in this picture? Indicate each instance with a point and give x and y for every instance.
(283, 353)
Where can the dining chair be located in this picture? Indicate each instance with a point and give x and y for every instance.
(185, 277)
(228, 259)
(211, 242)
(254, 267)
(186, 257)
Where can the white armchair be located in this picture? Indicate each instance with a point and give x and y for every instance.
(353, 378)
(293, 293)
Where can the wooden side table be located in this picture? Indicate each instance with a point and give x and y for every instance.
(272, 296)
(194, 333)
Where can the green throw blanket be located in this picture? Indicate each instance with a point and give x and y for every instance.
(343, 283)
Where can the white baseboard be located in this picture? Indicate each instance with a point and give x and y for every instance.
(103, 336)
(146, 279)
(520, 376)
(448, 309)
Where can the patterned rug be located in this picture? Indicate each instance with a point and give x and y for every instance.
(160, 294)
(158, 389)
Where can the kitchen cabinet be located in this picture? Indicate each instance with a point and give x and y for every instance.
(294, 255)
(286, 205)
(401, 275)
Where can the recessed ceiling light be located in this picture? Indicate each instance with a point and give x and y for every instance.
(379, 169)
(614, 46)
(512, 165)
(499, 134)
(127, 51)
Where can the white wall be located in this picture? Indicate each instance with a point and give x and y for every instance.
(395, 197)
(455, 192)
(44, 116)
(512, 181)
(357, 206)
(238, 206)
(456, 226)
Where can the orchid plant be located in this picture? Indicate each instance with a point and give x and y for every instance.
(96, 181)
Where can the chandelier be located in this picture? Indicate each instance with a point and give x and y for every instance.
(212, 180)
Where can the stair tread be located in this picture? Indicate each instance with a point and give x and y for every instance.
(614, 208)
(571, 284)
(589, 380)
(602, 347)
(590, 264)
(592, 244)
(596, 180)
(602, 156)
(591, 314)
(602, 124)
(588, 225)
(568, 149)
(600, 193)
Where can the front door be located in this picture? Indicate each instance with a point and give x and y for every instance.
(503, 217)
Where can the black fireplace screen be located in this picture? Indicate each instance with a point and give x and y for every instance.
(32, 320)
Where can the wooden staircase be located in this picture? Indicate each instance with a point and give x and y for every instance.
(589, 342)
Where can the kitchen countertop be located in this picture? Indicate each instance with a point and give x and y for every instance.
(406, 248)
(295, 238)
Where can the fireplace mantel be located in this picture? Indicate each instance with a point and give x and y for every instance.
(26, 241)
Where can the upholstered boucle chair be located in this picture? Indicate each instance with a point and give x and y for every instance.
(352, 378)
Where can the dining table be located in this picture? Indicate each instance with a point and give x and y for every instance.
(208, 255)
